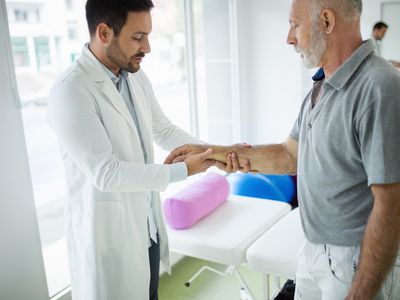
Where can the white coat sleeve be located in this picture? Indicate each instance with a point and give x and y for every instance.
(74, 116)
(166, 135)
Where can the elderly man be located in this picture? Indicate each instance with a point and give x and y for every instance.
(344, 147)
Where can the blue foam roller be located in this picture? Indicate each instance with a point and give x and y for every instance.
(284, 183)
(254, 185)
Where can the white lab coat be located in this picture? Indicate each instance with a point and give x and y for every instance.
(108, 183)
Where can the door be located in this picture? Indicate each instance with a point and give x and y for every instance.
(391, 42)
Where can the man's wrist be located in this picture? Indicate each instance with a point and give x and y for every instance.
(220, 152)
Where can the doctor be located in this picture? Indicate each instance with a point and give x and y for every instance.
(378, 33)
(106, 118)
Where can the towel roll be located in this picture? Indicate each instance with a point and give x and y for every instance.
(196, 201)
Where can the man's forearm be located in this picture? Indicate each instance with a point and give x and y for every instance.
(378, 251)
(270, 159)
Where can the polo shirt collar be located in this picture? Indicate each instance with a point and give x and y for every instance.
(320, 75)
(343, 74)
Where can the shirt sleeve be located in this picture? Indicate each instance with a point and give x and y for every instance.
(379, 135)
(178, 172)
(295, 132)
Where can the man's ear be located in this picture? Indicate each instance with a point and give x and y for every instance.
(104, 33)
(328, 20)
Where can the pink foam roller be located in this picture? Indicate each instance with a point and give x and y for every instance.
(196, 201)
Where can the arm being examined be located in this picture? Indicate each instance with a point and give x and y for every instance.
(270, 159)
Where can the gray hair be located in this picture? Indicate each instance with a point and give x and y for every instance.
(348, 9)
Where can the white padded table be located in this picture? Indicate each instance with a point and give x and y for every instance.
(276, 251)
(225, 235)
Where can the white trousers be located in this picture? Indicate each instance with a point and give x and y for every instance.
(325, 272)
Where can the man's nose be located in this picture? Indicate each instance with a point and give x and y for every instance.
(291, 38)
(145, 47)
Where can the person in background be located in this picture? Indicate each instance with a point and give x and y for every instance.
(106, 117)
(344, 148)
(378, 33)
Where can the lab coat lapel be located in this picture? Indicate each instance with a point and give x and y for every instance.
(93, 69)
(116, 100)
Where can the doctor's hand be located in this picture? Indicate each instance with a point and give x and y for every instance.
(183, 152)
(200, 162)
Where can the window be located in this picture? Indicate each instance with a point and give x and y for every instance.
(20, 51)
(50, 54)
(69, 4)
(37, 15)
(20, 15)
(72, 27)
(42, 51)
(166, 64)
(166, 67)
(74, 57)
(43, 58)
(26, 15)
(200, 69)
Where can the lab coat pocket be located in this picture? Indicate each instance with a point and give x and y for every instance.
(109, 223)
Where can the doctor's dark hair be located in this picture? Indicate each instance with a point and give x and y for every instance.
(113, 12)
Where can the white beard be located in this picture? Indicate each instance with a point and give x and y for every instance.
(312, 55)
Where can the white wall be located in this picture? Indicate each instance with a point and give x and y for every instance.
(391, 42)
(270, 71)
(218, 64)
(259, 74)
(22, 274)
(371, 15)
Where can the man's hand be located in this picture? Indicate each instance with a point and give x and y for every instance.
(232, 164)
(183, 152)
(200, 162)
(270, 159)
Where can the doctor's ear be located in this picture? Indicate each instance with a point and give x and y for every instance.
(104, 33)
(328, 20)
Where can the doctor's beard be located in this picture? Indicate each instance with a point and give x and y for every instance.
(115, 54)
(313, 53)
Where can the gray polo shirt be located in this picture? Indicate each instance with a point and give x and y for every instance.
(349, 140)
